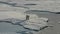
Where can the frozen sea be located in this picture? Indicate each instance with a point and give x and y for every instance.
(8, 28)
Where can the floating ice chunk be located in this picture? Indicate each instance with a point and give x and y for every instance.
(36, 23)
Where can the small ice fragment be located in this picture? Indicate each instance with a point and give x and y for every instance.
(45, 19)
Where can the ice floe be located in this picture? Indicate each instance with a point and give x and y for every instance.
(19, 18)
(34, 22)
